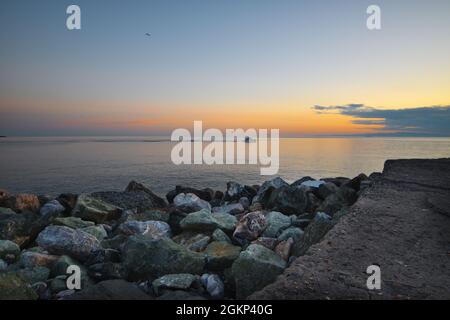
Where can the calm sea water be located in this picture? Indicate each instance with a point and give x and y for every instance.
(87, 164)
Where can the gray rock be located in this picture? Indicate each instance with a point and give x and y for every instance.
(21, 202)
(269, 243)
(219, 235)
(9, 251)
(19, 228)
(291, 232)
(149, 215)
(213, 285)
(94, 209)
(61, 240)
(232, 208)
(255, 268)
(276, 223)
(182, 281)
(299, 182)
(196, 242)
(283, 249)
(52, 208)
(245, 202)
(266, 189)
(34, 275)
(30, 259)
(204, 220)
(152, 229)
(288, 200)
(204, 194)
(313, 183)
(326, 189)
(189, 202)
(3, 266)
(110, 290)
(147, 258)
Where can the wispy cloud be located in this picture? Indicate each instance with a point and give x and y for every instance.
(432, 120)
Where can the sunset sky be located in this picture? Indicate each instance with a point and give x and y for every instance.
(305, 67)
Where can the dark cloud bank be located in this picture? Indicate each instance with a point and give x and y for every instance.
(420, 121)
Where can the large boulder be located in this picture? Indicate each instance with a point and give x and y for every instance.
(189, 202)
(288, 200)
(14, 287)
(156, 214)
(266, 189)
(276, 223)
(61, 240)
(21, 202)
(136, 196)
(93, 209)
(192, 241)
(250, 227)
(204, 220)
(152, 229)
(30, 259)
(255, 268)
(147, 258)
(204, 194)
(220, 255)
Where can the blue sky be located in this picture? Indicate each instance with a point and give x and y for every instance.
(215, 59)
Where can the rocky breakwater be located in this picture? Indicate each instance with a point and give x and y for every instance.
(195, 244)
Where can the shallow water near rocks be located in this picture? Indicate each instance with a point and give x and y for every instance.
(52, 165)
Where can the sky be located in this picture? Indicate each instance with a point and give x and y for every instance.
(304, 67)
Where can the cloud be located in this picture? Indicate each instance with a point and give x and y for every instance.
(432, 120)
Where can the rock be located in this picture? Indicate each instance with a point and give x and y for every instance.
(355, 183)
(203, 220)
(21, 202)
(337, 181)
(73, 222)
(65, 294)
(291, 232)
(147, 258)
(34, 275)
(299, 182)
(175, 218)
(6, 211)
(256, 206)
(302, 221)
(348, 195)
(204, 194)
(196, 242)
(19, 228)
(116, 242)
(189, 202)
(313, 183)
(313, 202)
(68, 201)
(326, 189)
(288, 200)
(106, 271)
(276, 222)
(255, 268)
(104, 255)
(221, 255)
(269, 243)
(93, 209)
(111, 290)
(60, 269)
(219, 235)
(13, 287)
(232, 208)
(250, 227)
(336, 201)
(4, 195)
(156, 202)
(58, 284)
(213, 285)
(234, 191)
(266, 189)
(152, 229)
(245, 202)
(283, 249)
(133, 200)
(149, 215)
(97, 231)
(314, 232)
(9, 251)
(30, 259)
(52, 208)
(61, 240)
(3, 266)
(181, 281)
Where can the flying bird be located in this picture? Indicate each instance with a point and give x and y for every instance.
(148, 34)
